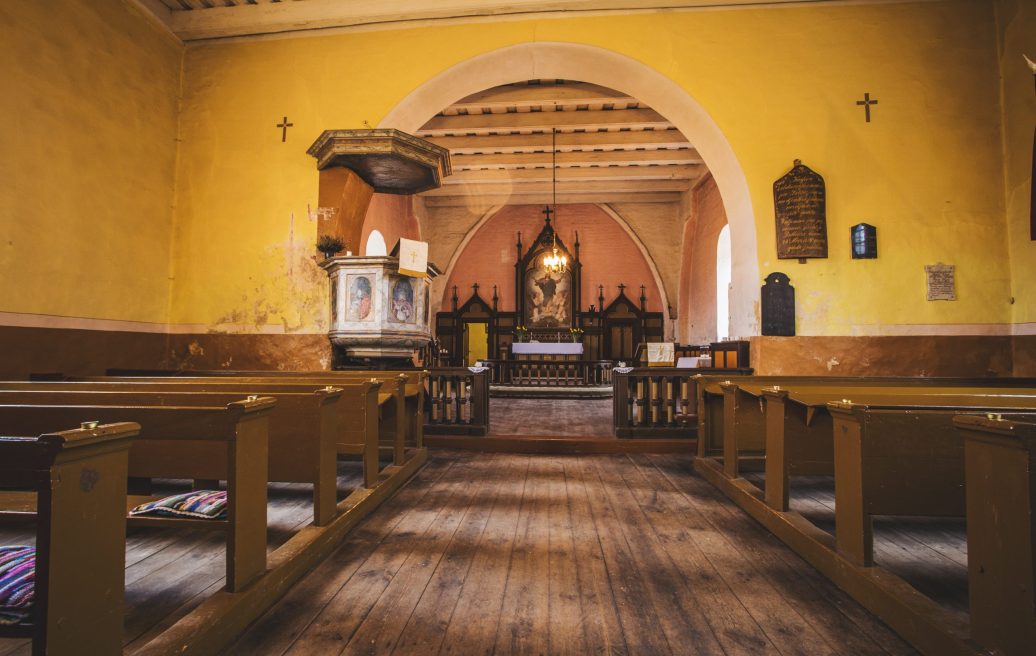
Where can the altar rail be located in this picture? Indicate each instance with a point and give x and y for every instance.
(551, 372)
(658, 401)
(457, 402)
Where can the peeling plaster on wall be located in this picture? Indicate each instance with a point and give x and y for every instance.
(291, 293)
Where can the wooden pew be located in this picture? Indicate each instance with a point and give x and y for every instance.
(393, 420)
(731, 410)
(227, 443)
(797, 425)
(302, 439)
(412, 404)
(900, 456)
(1000, 471)
(78, 479)
(358, 425)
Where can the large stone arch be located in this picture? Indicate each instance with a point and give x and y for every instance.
(545, 60)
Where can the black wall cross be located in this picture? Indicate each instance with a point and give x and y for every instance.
(867, 102)
(284, 125)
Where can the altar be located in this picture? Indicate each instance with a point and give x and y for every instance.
(547, 348)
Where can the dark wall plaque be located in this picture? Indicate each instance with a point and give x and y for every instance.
(864, 239)
(800, 205)
(778, 306)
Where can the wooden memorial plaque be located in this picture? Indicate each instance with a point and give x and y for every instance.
(778, 308)
(800, 207)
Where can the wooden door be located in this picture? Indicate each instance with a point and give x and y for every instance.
(476, 342)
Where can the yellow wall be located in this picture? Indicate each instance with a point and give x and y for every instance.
(89, 108)
(780, 83)
(1016, 22)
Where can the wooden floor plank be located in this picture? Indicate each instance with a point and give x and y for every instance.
(381, 628)
(476, 617)
(636, 611)
(558, 417)
(566, 618)
(331, 631)
(678, 528)
(426, 628)
(275, 631)
(678, 609)
(601, 627)
(523, 627)
(800, 584)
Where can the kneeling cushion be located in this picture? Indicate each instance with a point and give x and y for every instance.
(201, 504)
(17, 583)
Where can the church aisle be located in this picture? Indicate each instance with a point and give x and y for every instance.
(551, 417)
(498, 553)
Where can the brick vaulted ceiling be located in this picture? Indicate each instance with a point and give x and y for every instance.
(611, 148)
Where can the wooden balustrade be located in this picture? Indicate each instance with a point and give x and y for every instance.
(553, 372)
(457, 402)
(655, 402)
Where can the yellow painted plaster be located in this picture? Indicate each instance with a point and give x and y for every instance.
(88, 111)
(780, 83)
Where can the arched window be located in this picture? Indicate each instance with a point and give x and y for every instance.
(723, 283)
(375, 245)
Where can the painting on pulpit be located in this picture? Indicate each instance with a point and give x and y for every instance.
(402, 308)
(548, 297)
(360, 299)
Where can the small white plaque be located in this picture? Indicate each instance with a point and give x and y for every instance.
(413, 258)
(941, 282)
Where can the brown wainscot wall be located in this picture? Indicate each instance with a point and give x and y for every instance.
(91, 352)
(76, 352)
(931, 355)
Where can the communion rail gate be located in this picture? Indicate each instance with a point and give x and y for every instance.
(457, 402)
(659, 401)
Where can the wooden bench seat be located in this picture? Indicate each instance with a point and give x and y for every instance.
(797, 425)
(903, 458)
(1000, 475)
(392, 423)
(414, 391)
(358, 424)
(732, 413)
(76, 480)
(216, 443)
(303, 430)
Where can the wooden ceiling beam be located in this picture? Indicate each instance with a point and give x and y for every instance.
(511, 123)
(488, 200)
(676, 172)
(576, 159)
(527, 143)
(567, 187)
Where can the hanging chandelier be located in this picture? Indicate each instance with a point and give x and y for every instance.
(554, 262)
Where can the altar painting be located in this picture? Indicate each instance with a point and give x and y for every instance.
(548, 297)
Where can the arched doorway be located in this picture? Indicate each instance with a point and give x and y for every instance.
(611, 69)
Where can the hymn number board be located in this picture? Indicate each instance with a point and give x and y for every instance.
(800, 206)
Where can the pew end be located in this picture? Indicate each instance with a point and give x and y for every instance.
(73, 486)
(1000, 464)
